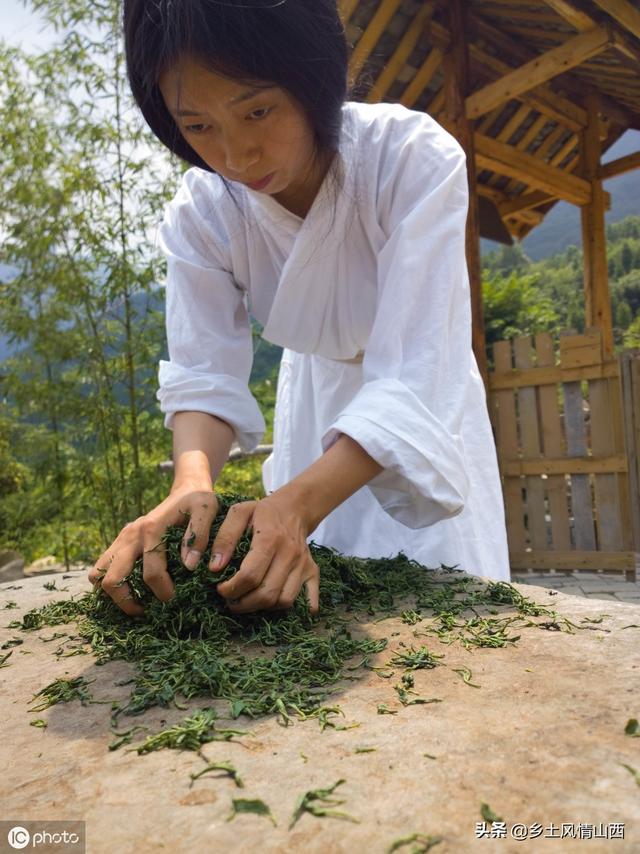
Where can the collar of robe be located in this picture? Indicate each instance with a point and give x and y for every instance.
(310, 311)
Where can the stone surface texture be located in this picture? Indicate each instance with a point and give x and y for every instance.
(541, 740)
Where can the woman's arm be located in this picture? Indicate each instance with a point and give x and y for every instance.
(201, 445)
(343, 469)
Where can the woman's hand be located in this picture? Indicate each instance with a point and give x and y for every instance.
(279, 562)
(144, 537)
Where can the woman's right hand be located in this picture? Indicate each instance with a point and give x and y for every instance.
(144, 537)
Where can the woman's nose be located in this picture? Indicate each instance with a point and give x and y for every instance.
(240, 157)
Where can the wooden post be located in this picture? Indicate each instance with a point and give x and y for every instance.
(594, 240)
(456, 65)
(630, 375)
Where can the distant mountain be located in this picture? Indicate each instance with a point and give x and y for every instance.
(561, 226)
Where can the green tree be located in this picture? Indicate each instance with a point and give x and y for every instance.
(514, 306)
(83, 185)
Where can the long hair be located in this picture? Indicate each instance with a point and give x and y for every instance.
(298, 45)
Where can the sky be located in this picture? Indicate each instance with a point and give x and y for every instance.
(20, 26)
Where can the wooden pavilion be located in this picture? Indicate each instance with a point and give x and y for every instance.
(536, 91)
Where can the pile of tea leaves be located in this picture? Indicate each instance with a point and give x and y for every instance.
(286, 663)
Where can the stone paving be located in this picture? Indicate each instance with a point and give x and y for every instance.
(592, 585)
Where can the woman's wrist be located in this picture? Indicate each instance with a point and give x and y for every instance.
(343, 469)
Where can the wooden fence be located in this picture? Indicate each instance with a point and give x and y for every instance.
(570, 484)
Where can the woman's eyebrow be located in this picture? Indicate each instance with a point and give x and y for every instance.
(244, 96)
(250, 93)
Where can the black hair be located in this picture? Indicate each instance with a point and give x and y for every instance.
(298, 45)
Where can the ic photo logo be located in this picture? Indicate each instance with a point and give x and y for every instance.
(18, 837)
(61, 837)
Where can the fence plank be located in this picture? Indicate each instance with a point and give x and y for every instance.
(550, 376)
(630, 374)
(553, 446)
(576, 560)
(622, 482)
(576, 435)
(607, 491)
(506, 426)
(530, 437)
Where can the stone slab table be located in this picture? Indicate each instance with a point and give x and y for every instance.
(542, 742)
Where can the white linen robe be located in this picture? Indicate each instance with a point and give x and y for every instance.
(369, 296)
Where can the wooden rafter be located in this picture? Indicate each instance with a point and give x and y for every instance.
(540, 70)
(506, 160)
(543, 99)
(620, 166)
(624, 13)
(574, 16)
(422, 78)
(368, 40)
(527, 201)
(346, 8)
(582, 22)
(516, 14)
(518, 52)
(401, 54)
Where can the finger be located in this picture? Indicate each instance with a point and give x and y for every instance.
(235, 524)
(196, 536)
(306, 573)
(114, 584)
(154, 563)
(312, 585)
(290, 591)
(266, 594)
(100, 568)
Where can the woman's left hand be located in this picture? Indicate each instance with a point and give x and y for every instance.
(279, 562)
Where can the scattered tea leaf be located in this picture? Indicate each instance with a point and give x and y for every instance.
(255, 806)
(224, 766)
(63, 691)
(633, 771)
(306, 803)
(466, 675)
(488, 814)
(420, 843)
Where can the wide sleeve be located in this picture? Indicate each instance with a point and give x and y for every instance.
(418, 362)
(208, 328)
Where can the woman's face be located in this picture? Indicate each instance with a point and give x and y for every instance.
(245, 133)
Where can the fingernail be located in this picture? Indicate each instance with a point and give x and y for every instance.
(193, 559)
(217, 560)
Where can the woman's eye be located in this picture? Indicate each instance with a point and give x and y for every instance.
(263, 111)
(195, 128)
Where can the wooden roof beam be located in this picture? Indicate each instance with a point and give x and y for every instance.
(620, 166)
(421, 79)
(396, 63)
(346, 8)
(368, 40)
(507, 160)
(627, 50)
(576, 17)
(514, 50)
(543, 98)
(540, 70)
(624, 13)
(527, 201)
(582, 22)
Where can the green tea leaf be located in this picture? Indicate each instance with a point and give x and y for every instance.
(255, 806)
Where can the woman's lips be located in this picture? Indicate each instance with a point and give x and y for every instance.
(260, 185)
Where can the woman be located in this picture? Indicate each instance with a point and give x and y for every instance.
(341, 227)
